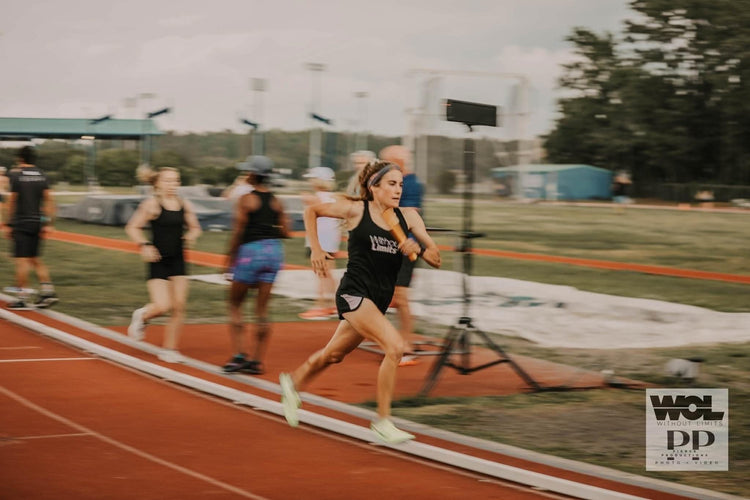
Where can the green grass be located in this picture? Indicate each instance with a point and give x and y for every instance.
(605, 427)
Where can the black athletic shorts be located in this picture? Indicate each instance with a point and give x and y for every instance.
(26, 244)
(167, 267)
(349, 297)
(406, 272)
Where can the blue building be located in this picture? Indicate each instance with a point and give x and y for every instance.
(554, 182)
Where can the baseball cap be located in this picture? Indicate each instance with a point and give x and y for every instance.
(322, 173)
(257, 164)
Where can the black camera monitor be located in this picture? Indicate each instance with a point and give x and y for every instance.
(470, 113)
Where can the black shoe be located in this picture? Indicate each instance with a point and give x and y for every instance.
(46, 300)
(19, 305)
(252, 367)
(235, 364)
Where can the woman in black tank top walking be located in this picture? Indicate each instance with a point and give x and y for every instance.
(167, 282)
(367, 286)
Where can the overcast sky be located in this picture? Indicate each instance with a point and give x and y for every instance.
(86, 58)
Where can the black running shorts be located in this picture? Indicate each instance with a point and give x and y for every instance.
(166, 268)
(349, 297)
(26, 244)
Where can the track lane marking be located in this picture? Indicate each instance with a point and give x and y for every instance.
(37, 360)
(50, 436)
(197, 475)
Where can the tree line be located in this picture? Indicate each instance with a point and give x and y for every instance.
(668, 100)
(207, 158)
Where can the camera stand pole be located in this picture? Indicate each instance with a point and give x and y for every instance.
(458, 339)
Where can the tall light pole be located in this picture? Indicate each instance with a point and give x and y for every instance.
(258, 86)
(148, 146)
(314, 159)
(361, 137)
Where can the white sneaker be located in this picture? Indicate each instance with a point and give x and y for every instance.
(388, 432)
(137, 325)
(171, 356)
(290, 399)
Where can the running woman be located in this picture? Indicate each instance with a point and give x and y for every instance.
(168, 216)
(366, 289)
(255, 257)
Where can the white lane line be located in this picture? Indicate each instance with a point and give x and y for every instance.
(36, 360)
(128, 448)
(50, 436)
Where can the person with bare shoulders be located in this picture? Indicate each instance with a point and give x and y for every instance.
(167, 283)
(329, 234)
(255, 257)
(366, 288)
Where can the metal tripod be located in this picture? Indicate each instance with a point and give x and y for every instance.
(458, 339)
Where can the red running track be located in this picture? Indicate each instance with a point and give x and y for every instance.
(76, 426)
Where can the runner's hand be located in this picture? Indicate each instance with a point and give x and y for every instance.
(318, 261)
(149, 253)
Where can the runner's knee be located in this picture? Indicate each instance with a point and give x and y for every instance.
(395, 350)
(334, 357)
(159, 308)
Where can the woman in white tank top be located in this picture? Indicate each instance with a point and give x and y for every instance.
(329, 234)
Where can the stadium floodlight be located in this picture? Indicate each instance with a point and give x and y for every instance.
(162, 111)
(247, 122)
(94, 121)
(319, 118)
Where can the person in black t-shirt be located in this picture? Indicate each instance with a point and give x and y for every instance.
(29, 214)
(367, 286)
(167, 283)
(255, 256)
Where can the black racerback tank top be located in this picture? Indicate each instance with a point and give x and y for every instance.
(264, 223)
(374, 257)
(167, 230)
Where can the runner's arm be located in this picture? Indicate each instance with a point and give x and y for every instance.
(49, 210)
(193, 225)
(431, 253)
(238, 226)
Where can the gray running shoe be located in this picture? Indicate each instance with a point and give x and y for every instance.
(137, 325)
(290, 399)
